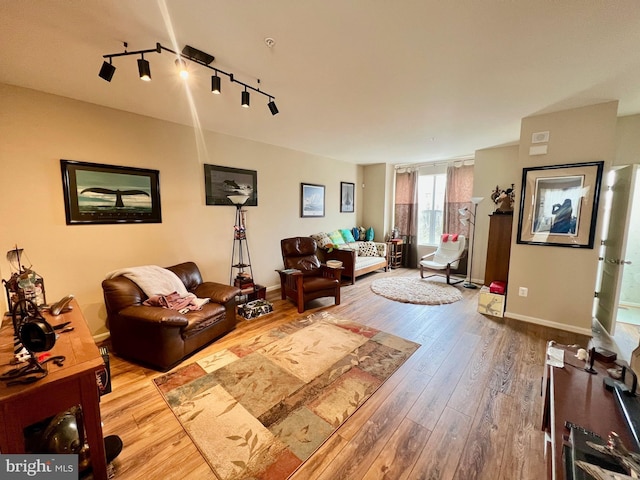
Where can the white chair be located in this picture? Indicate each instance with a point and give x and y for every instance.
(446, 258)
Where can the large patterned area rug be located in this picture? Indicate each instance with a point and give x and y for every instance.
(416, 290)
(259, 409)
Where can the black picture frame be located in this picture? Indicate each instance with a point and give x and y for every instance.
(559, 205)
(311, 200)
(96, 193)
(347, 197)
(221, 181)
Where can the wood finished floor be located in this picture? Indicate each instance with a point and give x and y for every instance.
(465, 406)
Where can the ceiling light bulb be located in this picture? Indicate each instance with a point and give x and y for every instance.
(181, 65)
(245, 99)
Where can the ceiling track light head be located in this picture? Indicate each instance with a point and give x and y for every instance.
(272, 106)
(215, 84)
(107, 71)
(181, 65)
(245, 98)
(144, 69)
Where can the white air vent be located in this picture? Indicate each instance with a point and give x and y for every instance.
(540, 137)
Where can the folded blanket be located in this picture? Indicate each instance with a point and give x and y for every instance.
(174, 301)
(153, 280)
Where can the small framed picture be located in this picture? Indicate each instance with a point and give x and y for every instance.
(220, 183)
(311, 200)
(97, 193)
(347, 197)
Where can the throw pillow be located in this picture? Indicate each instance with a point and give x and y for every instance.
(347, 235)
(369, 236)
(322, 239)
(336, 237)
(367, 249)
(356, 233)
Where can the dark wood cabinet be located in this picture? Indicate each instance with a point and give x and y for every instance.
(498, 248)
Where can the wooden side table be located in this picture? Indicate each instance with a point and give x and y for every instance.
(394, 252)
(72, 384)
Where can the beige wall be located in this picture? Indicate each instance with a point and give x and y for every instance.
(493, 166)
(374, 193)
(561, 281)
(628, 140)
(38, 129)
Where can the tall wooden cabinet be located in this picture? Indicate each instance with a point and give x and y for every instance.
(498, 248)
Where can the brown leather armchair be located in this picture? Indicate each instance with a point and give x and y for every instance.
(311, 279)
(161, 337)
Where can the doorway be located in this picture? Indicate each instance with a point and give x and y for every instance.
(626, 321)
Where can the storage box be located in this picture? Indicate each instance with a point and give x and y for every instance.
(255, 309)
(498, 287)
(490, 303)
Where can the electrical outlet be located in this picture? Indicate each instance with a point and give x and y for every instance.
(523, 291)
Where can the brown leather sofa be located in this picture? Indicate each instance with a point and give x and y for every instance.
(160, 337)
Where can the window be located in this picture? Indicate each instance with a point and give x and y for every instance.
(430, 208)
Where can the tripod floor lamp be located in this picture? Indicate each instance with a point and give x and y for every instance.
(466, 216)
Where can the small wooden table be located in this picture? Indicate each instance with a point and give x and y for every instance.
(72, 384)
(394, 253)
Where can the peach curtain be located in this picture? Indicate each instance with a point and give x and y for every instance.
(406, 214)
(457, 195)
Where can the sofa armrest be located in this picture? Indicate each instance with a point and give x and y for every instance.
(217, 292)
(159, 315)
(382, 249)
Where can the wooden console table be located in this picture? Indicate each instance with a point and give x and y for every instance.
(72, 384)
(572, 394)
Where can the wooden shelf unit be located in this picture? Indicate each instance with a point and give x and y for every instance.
(498, 248)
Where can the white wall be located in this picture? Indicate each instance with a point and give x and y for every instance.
(38, 129)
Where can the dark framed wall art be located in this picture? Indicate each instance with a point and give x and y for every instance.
(559, 205)
(104, 194)
(311, 200)
(220, 182)
(347, 197)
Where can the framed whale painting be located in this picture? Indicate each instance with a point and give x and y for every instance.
(95, 193)
(222, 182)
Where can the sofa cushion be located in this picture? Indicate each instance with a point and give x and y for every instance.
(367, 249)
(322, 239)
(356, 233)
(336, 237)
(347, 235)
(369, 235)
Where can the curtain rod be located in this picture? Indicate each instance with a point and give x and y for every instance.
(457, 162)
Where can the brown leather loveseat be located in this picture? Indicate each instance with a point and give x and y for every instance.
(161, 337)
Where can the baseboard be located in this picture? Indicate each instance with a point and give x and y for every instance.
(101, 337)
(548, 323)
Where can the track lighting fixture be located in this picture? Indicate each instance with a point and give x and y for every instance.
(188, 54)
(144, 69)
(107, 71)
(245, 98)
(181, 65)
(215, 84)
(272, 106)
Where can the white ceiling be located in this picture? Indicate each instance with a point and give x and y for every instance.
(363, 81)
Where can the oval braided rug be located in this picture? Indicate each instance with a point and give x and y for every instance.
(416, 290)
